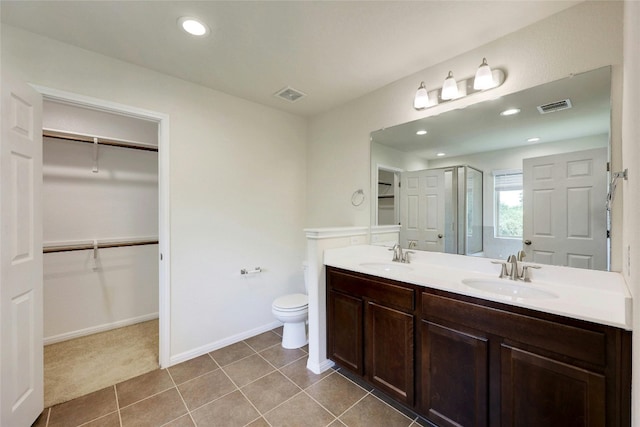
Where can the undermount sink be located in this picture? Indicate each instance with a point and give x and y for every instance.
(390, 267)
(506, 288)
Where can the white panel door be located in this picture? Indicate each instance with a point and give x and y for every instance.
(422, 196)
(21, 351)
(409, 208)
(564, 213)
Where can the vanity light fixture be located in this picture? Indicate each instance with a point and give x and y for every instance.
(484, 79)
(449, 88)
(421, 132)
(441, 154)
(421, 100)
(510, 112)
(193, 26)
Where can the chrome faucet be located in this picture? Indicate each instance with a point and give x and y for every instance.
(513, 268)
(514, 274)
(397, 253)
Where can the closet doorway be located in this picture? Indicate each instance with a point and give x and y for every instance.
(101, 251)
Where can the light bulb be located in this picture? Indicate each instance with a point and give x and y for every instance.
(193, 26)
(484, 77)
(421, 99)
(449, 88)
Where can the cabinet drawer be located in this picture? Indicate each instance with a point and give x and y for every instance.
(577, 343)
(401, 297)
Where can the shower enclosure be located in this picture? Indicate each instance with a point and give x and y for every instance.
(441, 210)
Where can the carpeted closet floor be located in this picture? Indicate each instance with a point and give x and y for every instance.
(83, 365)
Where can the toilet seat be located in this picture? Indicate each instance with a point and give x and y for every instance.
(292, 302)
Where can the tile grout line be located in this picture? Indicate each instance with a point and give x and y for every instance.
(337, 417)
(241, 392)
(182, 399)
(46, 423)
(107, 414)
(281, 373)
(115, 389)
(303, 391)
(392, 407)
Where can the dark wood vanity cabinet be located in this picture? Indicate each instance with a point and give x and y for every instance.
(464, 361)
(454, 380)
(518, 367)
(345, 325)
(370, 325)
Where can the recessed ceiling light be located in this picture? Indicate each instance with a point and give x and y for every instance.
(441, 154)
(193, 26)
(421, 132)
(510, 112)
(536, 139)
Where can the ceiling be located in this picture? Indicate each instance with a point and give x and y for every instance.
(333, 51)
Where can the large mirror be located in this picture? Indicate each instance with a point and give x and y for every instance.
(483, 182)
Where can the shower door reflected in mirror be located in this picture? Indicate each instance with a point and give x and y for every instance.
(441, 210)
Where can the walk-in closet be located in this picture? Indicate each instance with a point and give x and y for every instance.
(100, 232)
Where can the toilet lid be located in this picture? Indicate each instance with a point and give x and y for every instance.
(291, 302)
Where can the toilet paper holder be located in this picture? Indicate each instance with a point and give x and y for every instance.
(254, 271)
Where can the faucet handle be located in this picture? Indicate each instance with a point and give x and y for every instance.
(526, 275)
(503, 270)
(405, 256)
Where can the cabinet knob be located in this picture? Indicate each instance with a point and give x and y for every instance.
(527, 242)
(439, 236)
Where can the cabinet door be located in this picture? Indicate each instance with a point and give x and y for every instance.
(389, 350)
(454, 376)
(344, 331)
(538, 391)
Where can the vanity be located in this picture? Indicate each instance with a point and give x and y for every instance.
(444, 336)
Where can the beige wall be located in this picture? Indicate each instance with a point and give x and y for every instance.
(237, 184)
(631, 159)
(584, 37)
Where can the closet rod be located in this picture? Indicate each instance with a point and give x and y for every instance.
(70, 136)
(85, 246)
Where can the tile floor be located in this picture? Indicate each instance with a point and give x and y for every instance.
(252, 383)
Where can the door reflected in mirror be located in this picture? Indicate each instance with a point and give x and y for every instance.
(484, 184)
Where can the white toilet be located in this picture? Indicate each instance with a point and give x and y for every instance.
(293, 311)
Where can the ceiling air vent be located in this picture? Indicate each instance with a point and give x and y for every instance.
(552, 107)
(290, 94)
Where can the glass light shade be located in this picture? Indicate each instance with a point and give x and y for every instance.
(484, 77)
(449, 88)
(422, 98)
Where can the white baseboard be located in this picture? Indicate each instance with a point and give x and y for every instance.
(187, 355)
(318, 368)
(100, 328)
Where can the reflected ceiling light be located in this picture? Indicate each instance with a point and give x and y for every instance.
(421, 100)
(449, 88)
(484, 77)
(441, 154)
(421, 132)
(193, 26)
(510, 112)
(536, 139)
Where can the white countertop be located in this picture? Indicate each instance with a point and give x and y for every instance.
(595, 296)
